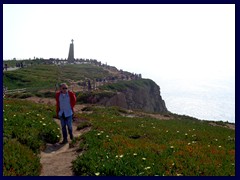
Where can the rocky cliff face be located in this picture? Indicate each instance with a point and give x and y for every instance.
(140, 95)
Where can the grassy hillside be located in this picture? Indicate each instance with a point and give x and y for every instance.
(27, 128)
(142, 146)
(46, 76)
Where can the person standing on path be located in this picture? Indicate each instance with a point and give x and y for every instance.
(65, 102)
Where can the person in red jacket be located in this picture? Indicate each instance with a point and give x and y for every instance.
(65, 102)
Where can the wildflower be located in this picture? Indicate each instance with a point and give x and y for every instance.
(208, 145)
(216, 139)
(5, 119)
(193, 129)
(58, 128)
(146, 168)
(179, 174)
(166, 130)
(97, 173)
(193, 142)
(171, 147)
(219, 146)
(27, 113)
(173, 164)
(154, 127)
(37, 114)
(121, 156)
(40, 121)
(116, 156)
(189, 130)
(189, 143)
(99, 134)
(58, 136)
(144, 159)
(14, 115)
(43, 118)
(186, 134)
(44, 124)
(193, 135)
(177, 131)
(101, 131)
(135, 154)
(107, 136)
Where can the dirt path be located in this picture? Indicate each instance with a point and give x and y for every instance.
(57, 159)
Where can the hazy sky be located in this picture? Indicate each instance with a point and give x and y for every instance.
(194, 43)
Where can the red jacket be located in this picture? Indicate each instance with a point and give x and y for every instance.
(73, 100)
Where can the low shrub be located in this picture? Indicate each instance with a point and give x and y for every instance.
(19, 160)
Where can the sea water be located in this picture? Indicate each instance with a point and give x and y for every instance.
(205, 100)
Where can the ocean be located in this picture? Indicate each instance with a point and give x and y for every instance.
(205, 100)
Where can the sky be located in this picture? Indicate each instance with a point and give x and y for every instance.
(178, 46)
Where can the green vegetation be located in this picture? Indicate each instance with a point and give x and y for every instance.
(123, 85)
(144, 146)
(40, 77)
(27, 128)
(93, 97)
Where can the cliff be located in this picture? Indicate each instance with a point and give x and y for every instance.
(142, 94)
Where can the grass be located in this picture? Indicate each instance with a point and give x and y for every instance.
(144, 146)
(27, 128)
(46, 76)
(123, 85)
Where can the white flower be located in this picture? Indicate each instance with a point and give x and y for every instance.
(144, 159)
(171, 147)
(173, 164)
(101, 131)
(154, 127)
(44, 124)
(193, 129)
(99, 134)
(146, 168)
(219, 146)
(5, 119)
(189, 143)
(166, 130)
(121, 156)
(58, 136)
(186, 134)
(43, 118)
(208, 145)
(107, 136)
(216, 139)
(97, 173)
(135, 154)
(116, 156)
(177, 131)
(14, 115)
